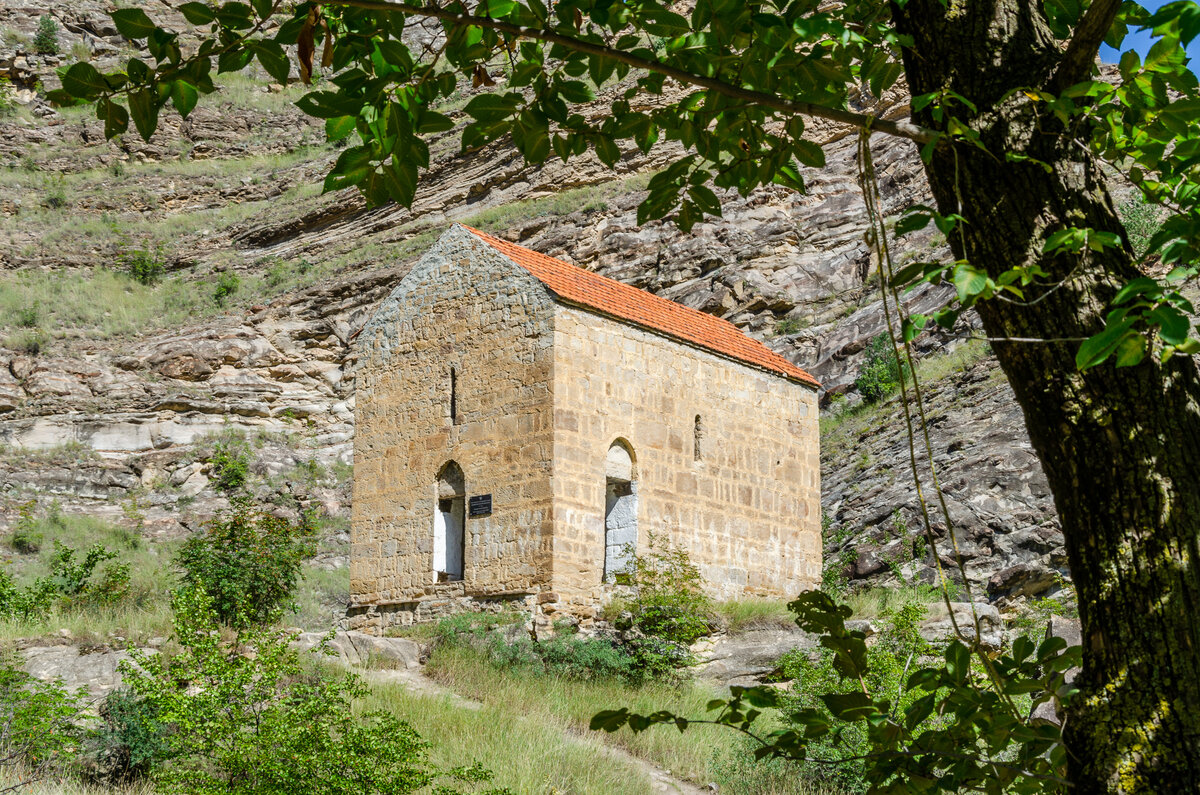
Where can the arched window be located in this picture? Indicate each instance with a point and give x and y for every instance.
(448, 519)
(620, 509)
(697, 436)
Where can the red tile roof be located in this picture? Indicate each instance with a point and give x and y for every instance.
(610, 297)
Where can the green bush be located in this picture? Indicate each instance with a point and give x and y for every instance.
(143, 266)
(227, 285)
(77, 584)
(230, 464)
(668, 602)
(245, 717)
(130, 741)
(896, 652)
(8, 100)
(248, 562)
(880, 372)
(45, 40)
(566, 654)
(39, 726)
(893, 718)
(26, 537)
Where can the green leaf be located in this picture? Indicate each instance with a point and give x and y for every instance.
(1097, 348)
(184, 97)
(273, 59)
(263, 8)
(133, 23)
(339, 127)
(83, 81)
(352, 167)
(196, 13)
(809, 153)
(116, 118)
(143, 107)
(491, 107)
(969, 281)
(849, 706)
(958, 661)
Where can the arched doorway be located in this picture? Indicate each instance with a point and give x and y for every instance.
(620, 509)
(448, 524)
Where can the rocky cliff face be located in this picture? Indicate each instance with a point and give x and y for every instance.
(97, 403)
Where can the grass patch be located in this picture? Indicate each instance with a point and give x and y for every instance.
(740, 615)
(527, 752)
(702, 754)
(590, 197)
(100, 303)
(144, 614)
(841, 424)
(875, 602)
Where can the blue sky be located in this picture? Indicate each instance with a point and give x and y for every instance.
(1141, 41)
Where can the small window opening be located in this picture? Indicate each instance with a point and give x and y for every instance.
(449, 521)
(620, 512)
(453, 396)
(698, 436)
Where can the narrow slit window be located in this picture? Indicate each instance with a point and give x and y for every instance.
(698, 437)
(453, 396)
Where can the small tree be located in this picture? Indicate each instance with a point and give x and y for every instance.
(248, 562)
(45, 41)
(246, 718)
(39, 734)
(880, 372)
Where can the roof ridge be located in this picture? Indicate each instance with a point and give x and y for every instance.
(630, 304)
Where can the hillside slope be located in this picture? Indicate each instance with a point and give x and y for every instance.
(110, 388)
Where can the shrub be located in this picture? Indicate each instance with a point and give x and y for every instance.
(26, 537)
(669, 603)
(8, 99)
(246, 718)
(143, 266)
(230, 464)
(39, 734)
(248, 562)
(81, 52)
(965, 721)
(24, 603)
(45, 40)
(891, 658)
(880, 372)
(227, 285)
(130, 741)
(30, 341)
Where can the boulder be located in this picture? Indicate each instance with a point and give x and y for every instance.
(359, 650)
(94, 670)
(744, 658)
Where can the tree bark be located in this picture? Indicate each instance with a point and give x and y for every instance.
(1120, 447)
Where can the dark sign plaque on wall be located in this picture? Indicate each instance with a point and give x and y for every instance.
(480, 505)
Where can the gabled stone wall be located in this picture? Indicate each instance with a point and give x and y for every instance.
(463, 306)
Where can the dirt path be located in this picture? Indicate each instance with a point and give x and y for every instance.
(662, 781)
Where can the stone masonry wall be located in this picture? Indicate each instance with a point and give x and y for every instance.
(748, 511)
(467, 307)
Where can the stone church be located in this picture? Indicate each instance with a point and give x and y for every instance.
(522, 424)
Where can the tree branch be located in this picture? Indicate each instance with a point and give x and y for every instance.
(1077, 60)
(899, 129)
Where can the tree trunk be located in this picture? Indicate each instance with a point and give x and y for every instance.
(1120, 447)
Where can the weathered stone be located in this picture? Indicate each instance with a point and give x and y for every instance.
(744, 658)
(358, 649)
